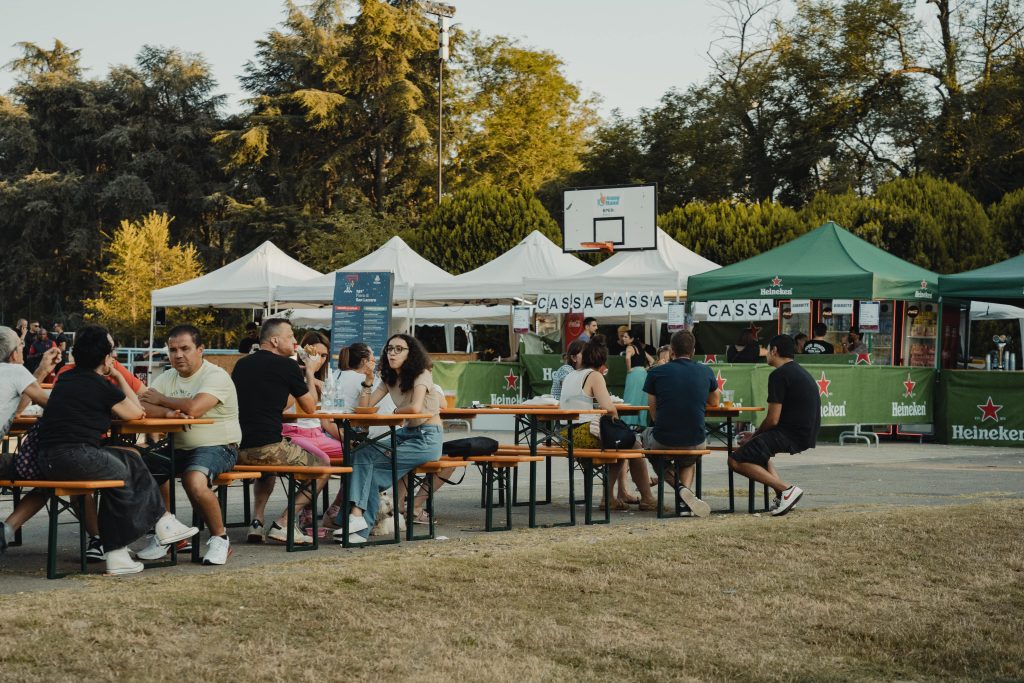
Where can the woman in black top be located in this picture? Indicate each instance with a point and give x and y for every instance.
(77, 414)
(745, 350)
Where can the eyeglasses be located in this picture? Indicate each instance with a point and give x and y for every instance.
(395, 349)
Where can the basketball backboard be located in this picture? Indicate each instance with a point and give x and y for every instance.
(624, 216)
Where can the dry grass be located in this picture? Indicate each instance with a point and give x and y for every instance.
(912, 593)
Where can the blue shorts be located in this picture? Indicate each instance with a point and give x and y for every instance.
(212, 461)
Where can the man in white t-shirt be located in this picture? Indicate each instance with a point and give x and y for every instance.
(195, 387)
(18, 387)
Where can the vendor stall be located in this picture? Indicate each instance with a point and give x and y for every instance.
(830, 275)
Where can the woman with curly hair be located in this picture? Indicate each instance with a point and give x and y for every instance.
(406, 378)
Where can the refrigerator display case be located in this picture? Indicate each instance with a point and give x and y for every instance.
(920, 331)
(880, 342)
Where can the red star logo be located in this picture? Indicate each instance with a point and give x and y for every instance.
(862, 359)
(776, 281)
(721, 380)
(924, 284)
(989, 411)
(909, 385)
(512, 379)
(755, 330)
(710, 359)
(823, 385)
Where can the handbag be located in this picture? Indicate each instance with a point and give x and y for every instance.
(615, 434)
(464, 448)
(26, 460)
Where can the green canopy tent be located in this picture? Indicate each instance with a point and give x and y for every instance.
(1001, 283)
(828, 262)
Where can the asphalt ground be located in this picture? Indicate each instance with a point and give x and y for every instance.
(892, 474)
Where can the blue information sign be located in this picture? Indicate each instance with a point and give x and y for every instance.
(361, 311)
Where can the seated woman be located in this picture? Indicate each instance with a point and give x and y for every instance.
(77, 414)
(406, 378)
(583, 389)
(571, 358)
(745, 350)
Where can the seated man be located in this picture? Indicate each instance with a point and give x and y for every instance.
(791, 425)
(18, 387)
(195, 387)
(264, 380)
(676, 395)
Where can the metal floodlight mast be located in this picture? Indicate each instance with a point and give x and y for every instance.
(444, 14)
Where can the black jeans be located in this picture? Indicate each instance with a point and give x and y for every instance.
(125, 513)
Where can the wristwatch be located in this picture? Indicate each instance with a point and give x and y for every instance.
(366, 386)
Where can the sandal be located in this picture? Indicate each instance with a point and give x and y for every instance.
(648, 505)
(421, 518)
(617, 506)
(630, 500)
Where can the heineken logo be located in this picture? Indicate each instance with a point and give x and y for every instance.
(908, 387)
(504, 400)
(863, 359)
(989, 410)
(923, 293)
(776, 289)
(833, 409)
(511, 379)
(962, 433)
(710, 359)
(548, 372)
(721, 380)
(823, 385)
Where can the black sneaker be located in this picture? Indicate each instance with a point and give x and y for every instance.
(256, 532)
(3, 538)
(94, 551)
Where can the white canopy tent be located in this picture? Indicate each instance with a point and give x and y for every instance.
(247, 282)
(983, 310)
(663, 269)
(534, 257)
(395, 256)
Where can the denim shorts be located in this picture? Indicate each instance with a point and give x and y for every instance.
(652, 444)
(212, 461)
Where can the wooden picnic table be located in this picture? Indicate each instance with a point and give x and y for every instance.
(347, 425)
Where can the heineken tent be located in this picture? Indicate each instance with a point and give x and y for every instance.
(534, 257)
(1002, 282)
(395, 256)
(829, 262)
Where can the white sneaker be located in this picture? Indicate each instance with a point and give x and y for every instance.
(218, 550)
(401, 522)
(120, 562)
(169, 530)
(356, 523)
(697, 506)
(154, 550)
(787, 500)
(279, 534)
(355, 539)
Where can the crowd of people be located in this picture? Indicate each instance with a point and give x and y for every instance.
(246, 426)
(245, 412)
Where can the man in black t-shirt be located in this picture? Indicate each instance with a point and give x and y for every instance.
(264, 380)
(818, 344)
(791, 425)
(251, 338)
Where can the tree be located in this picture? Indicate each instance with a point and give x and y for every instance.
(474, 226)
(528, 124)
(140, 261)
(728, 232)
(1007, 217)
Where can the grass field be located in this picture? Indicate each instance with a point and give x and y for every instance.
(836, 594)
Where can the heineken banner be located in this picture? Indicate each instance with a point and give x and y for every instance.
(484, 382)
(538, 368)
(982, 408)
(866, 395)
(803, 359)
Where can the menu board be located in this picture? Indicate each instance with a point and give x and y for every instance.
(361, 310)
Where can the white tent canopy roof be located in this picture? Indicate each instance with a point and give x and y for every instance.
(433, 315)
(395, 256)
(666, 268)
(248, 282)
(534, 257)
(982, 310)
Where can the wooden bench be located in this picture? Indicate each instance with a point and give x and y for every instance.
(496, 470)
(424, 476)
(301, 479)
(57, 491)
(659, 457)
(220, 486)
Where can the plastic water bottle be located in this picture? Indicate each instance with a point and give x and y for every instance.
(330, 394)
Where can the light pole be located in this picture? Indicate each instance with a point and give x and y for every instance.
(444, 13)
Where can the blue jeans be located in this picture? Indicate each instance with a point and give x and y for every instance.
(371, 466)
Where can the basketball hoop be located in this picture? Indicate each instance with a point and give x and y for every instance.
(603, 246)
